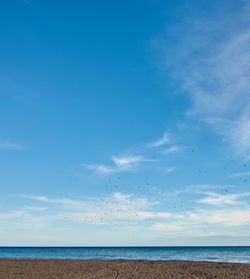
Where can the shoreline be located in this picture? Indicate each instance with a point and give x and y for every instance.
(66, 268)
(118, 260)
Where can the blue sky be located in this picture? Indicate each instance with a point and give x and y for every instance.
(124, 123)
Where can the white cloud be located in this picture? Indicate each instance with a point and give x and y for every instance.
(163, 215)
(169, 170)
(171, 149)
(200, 221)
(5, 144)
(101, 168)
(239, 132)
(229, 217)
(63, 201)
(38, 198)
(217, 199)
(240, 174)
(163, 140)
(167, 227)
(63, 229)
(212, 64)
(11, 215)
(122, 163)
(36, 208)
(115, 208)
(128, 209)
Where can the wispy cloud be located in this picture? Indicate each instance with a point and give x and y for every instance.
(212, 64)
(128, 209)
(240, 174)
(126, 162)
(163, 140)
(167, 227)
(36, 208)
(122, 163)
(217, 199)
(200, 189)
(169, 170)
(101, 168)
(11, 215)
(172, 149)
(119, 208)
(5, 144)
(229, 217)
(37, 198)
(200, 220)
(63, 201)
(130, 162)
(115, 208)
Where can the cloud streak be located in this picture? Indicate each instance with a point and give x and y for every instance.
(64, 201)
(239, 174)
(212, 65)
(171, 149)
(162, 141)
(11, 215)
(122, 163)
(169, 170)
(130, 210)
(8, 145)
(113, 209)
(217, 199)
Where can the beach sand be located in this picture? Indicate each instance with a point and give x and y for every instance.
(67, 269)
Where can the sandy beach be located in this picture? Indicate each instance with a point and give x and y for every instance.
(55, 269)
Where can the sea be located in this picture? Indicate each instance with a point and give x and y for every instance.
(236, 254)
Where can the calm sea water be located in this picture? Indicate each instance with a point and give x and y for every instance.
(215, 254)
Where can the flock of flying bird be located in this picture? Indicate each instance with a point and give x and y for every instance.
(111, 211)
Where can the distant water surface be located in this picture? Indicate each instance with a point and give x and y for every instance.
(214, 254)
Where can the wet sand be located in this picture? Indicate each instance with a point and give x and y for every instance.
(67, 269)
